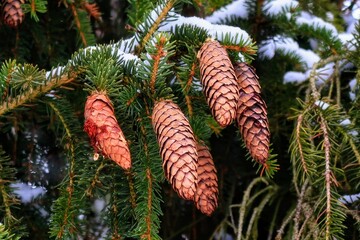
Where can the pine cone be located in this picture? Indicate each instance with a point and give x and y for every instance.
(93, 10)
(177, 147)
(206, 197)
(219, 82)
(13, 14)
(252, 114)
(104, 131)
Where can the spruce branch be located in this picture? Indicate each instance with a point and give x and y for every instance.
(35, 6)
(298, 209)
(130, 178)
(298, 139)
(328, 176)
(168, 5)
(160, 53)
(315, 94)
(6, 234)
(252, 225)
(7, 200)
(78, 24)
(244, 205)
(284, 224)
(95, 180)
(186, 73)
(30, 95)
(70, 188)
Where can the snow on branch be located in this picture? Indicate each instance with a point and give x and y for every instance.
(235, 9)
(277, 7)
(217, 31)
(310, 20)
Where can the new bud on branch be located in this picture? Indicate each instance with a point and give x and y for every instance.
(219, 82)
(104, 131)
(177, 147)
(251, 114)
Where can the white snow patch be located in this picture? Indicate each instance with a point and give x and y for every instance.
(352, 96)
(268, 47)
(294, 77)
(56, 72)
(237, 8)
(345, 122)
(346, 199)
(217, 31)
(322, 105)
(27, 192)
(98, 205)
(236, 34)
(352, 84)
(346, 39)
(308, 57)
(325, 72)
(273, 8)
(306, 18)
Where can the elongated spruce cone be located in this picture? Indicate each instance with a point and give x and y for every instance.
(252, 114)
(206, 198)
(104, 131)
(219, 82)
(12, 12)
(177, 147)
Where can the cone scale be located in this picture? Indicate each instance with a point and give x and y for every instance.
(104, 131)
(177, 147)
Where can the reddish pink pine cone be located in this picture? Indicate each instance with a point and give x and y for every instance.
(104, 131)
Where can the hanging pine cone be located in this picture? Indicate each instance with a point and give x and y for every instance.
(219, 82)
(251, 113)
(206, 197)
(13, 14)
(177, 147)
(104, 131)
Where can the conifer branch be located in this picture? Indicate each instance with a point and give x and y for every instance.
(288, 218)
(328, 176)
(313, 74)
(33, 93)
(70, 187)
(9, 219)
(298, 141)
(338, 83)
(78, 24)
(244, 204)
(156, 24)
(95, 180)
(355, 150)
(187, 87)
(298, 209)
(129, 176)
(247, 49)
(160, 53)
(147, 234)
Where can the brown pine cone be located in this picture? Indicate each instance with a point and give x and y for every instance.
(13, 14)
(104, 131)
(219, 82)
(177, 147)
(252, 114)
(206, 197)
(93, 10)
